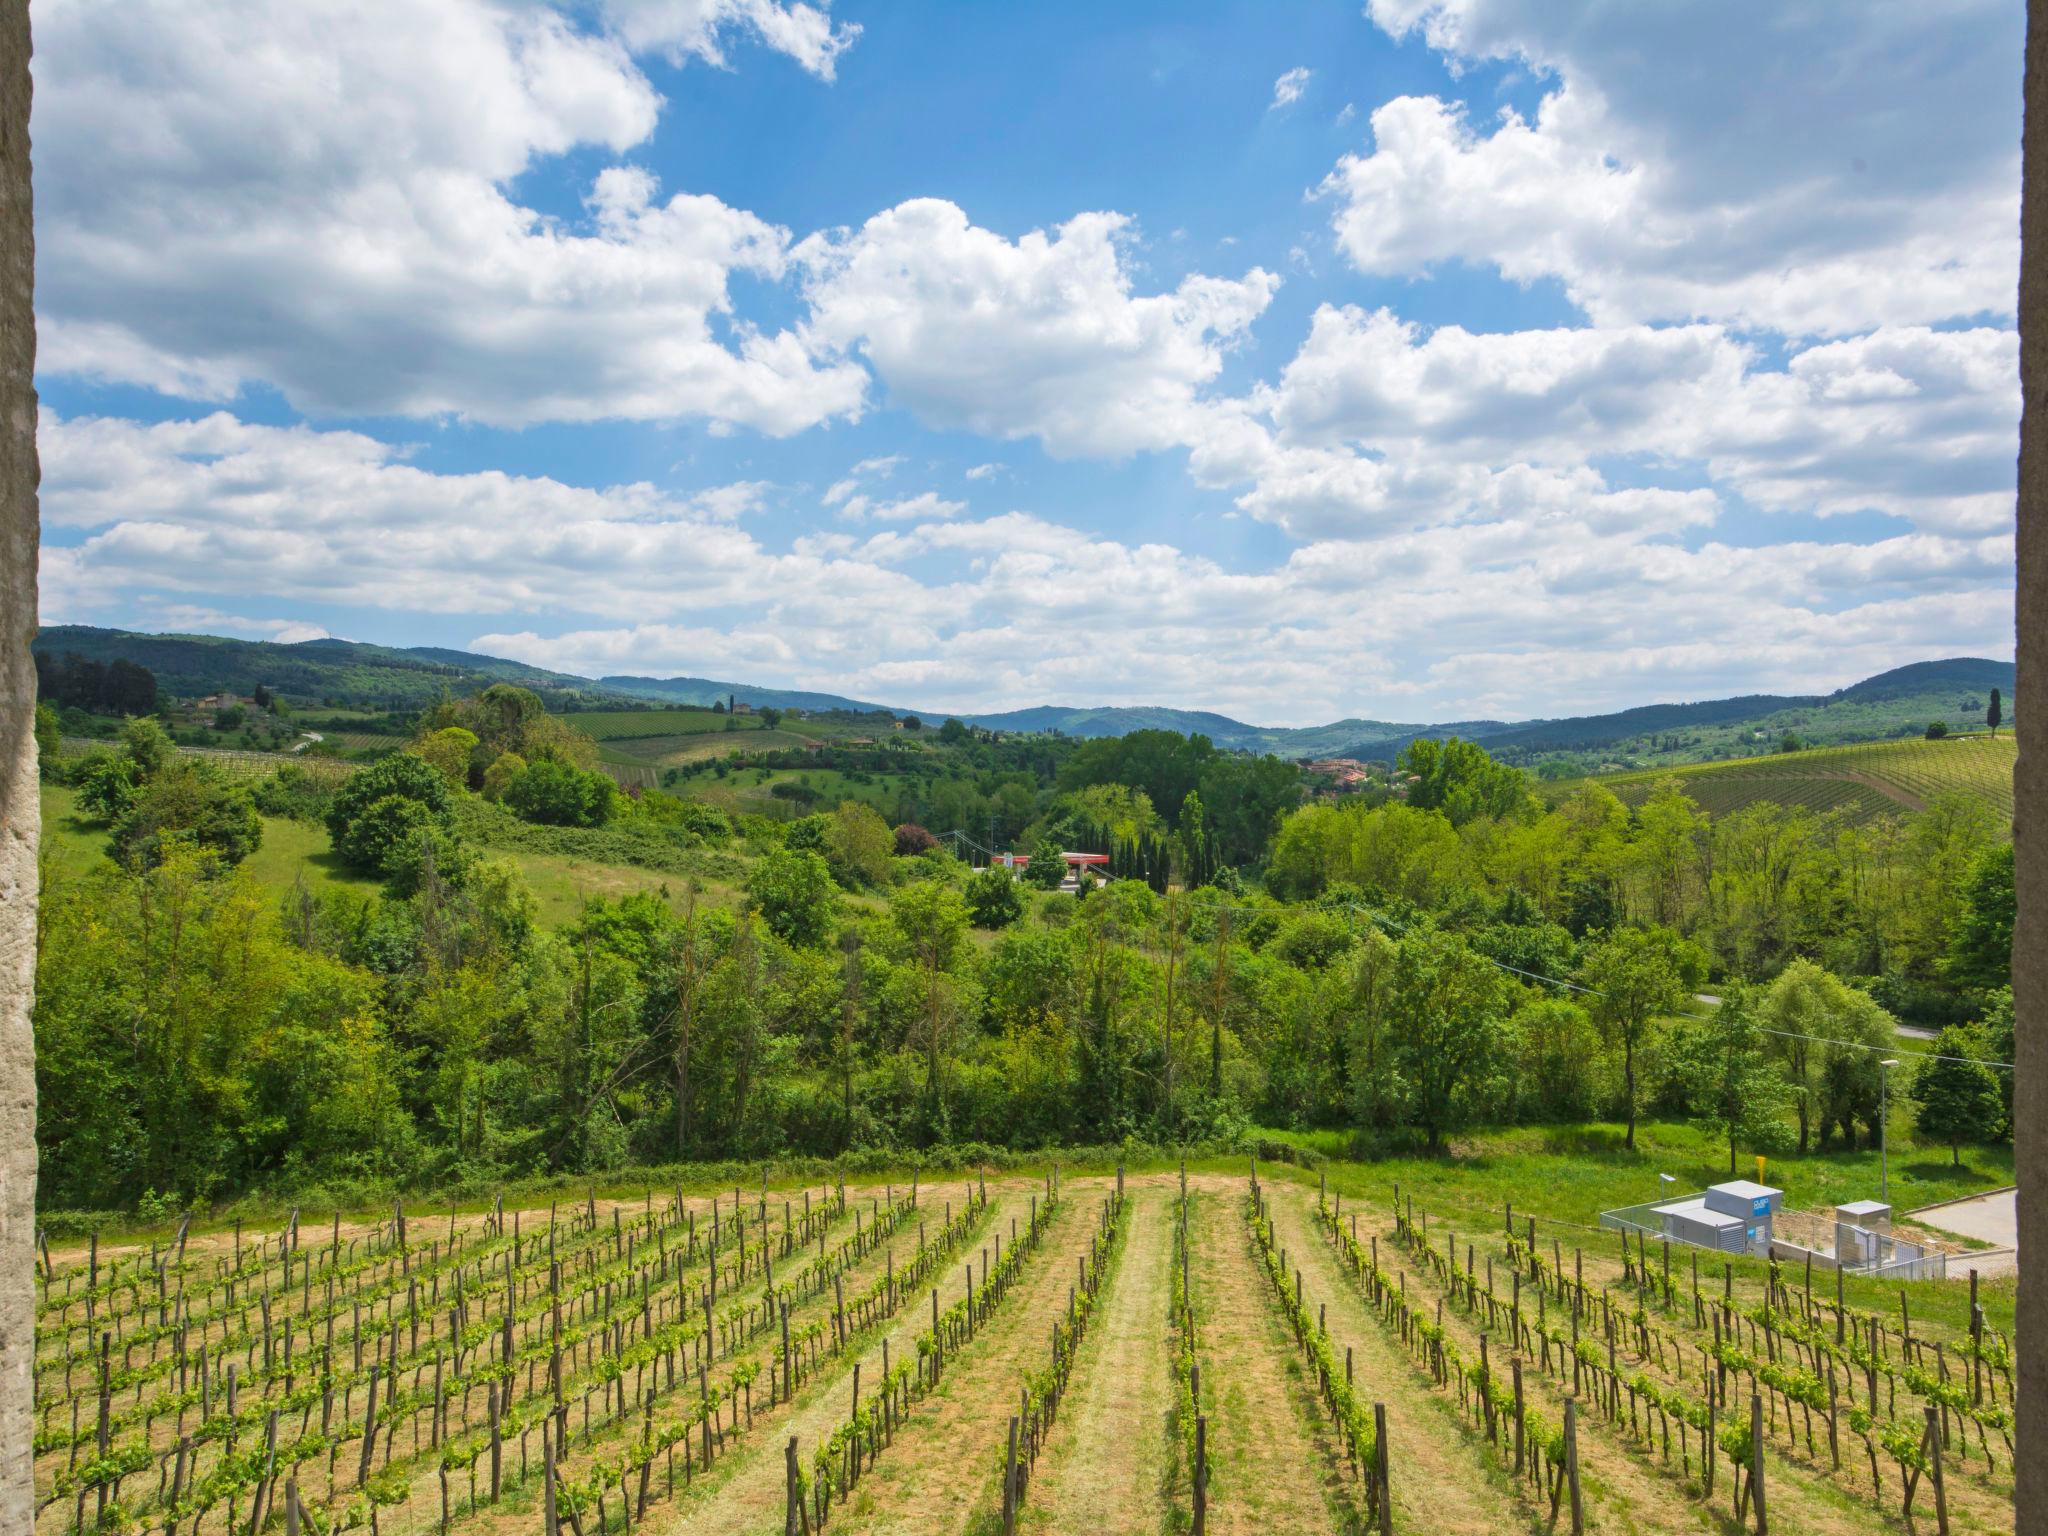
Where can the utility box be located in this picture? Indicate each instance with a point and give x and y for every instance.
(1754, 1204)
(1861, 1230)
(1871, 1215)
(1694, 1221)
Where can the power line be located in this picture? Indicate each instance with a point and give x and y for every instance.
(1864, 1045)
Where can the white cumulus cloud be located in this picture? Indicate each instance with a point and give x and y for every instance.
(698, 28)
(317, 197)
(1042, 336)
(1288, 89)
(1569, 593)
(1781, 169)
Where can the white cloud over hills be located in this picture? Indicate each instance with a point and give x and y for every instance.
(999, 610)
(1772, 446)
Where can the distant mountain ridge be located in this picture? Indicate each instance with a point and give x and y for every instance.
(1918, 687)
(1889, 704)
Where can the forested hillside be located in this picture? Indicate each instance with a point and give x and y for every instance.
(818, 977)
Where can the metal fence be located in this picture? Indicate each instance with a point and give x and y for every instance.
(1892, 1258)
(1874, 1253)
(1636, 1218)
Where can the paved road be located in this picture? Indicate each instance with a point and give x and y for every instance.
(1992, 1218)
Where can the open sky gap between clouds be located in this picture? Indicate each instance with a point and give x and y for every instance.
(1773, 450)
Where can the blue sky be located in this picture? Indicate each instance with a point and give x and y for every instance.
(1444, 358)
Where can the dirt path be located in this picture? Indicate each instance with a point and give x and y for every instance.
(1273, 1464)
(1443, 1477)
(747, 1492)
(943, 1464)
(1104, 1472)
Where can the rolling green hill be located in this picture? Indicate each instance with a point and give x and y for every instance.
(309, 671)
(563, 865)
(1862, 781)
(1896, 704)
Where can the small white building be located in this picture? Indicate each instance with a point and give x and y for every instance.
(1862, 1228)
(1734, 1217)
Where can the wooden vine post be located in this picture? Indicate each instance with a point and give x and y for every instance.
(1934, 1471)
(1571, 1464)
(1201, 1474)
(796, 1517)
(1379, 1457)
(551, 1524)
(1010, 1482)
(1756, 1461)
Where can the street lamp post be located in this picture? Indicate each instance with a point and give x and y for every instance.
(1884, 1170)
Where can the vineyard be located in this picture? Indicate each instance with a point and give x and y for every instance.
(1864, 781)
(228, 762)
(626, 724)
(1093, 1355)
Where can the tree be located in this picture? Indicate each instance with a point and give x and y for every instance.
(1937, 730)
(771, 717)
(1723, 1075)
(504, 768)
(1445, 1007)
(400, 776)
(912, 723)
(1243, 799)
(792, 890)
(1375, 1088)
(1164, 764)
(846, 1041)
(1959, 1099)
(449, 750)
(148, 744)
(429, 858)
(1047, 866)
(993, 898)
(912, 840)
(554, 794)
(1993, 712)
(508, 718)
(1980, 943)
(1820, 1025)
(930, 923)
(1636, 976)
(49, 733)
(953, 732)
(1665, 854)
(1557, 1050)
(2001, 1037)
(107, 783)
(187, 803)
(373, 837)
(858, 845)
(1460, 779)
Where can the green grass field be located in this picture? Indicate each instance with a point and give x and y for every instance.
(1863, 781)
(755, 793)
(297, 851)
